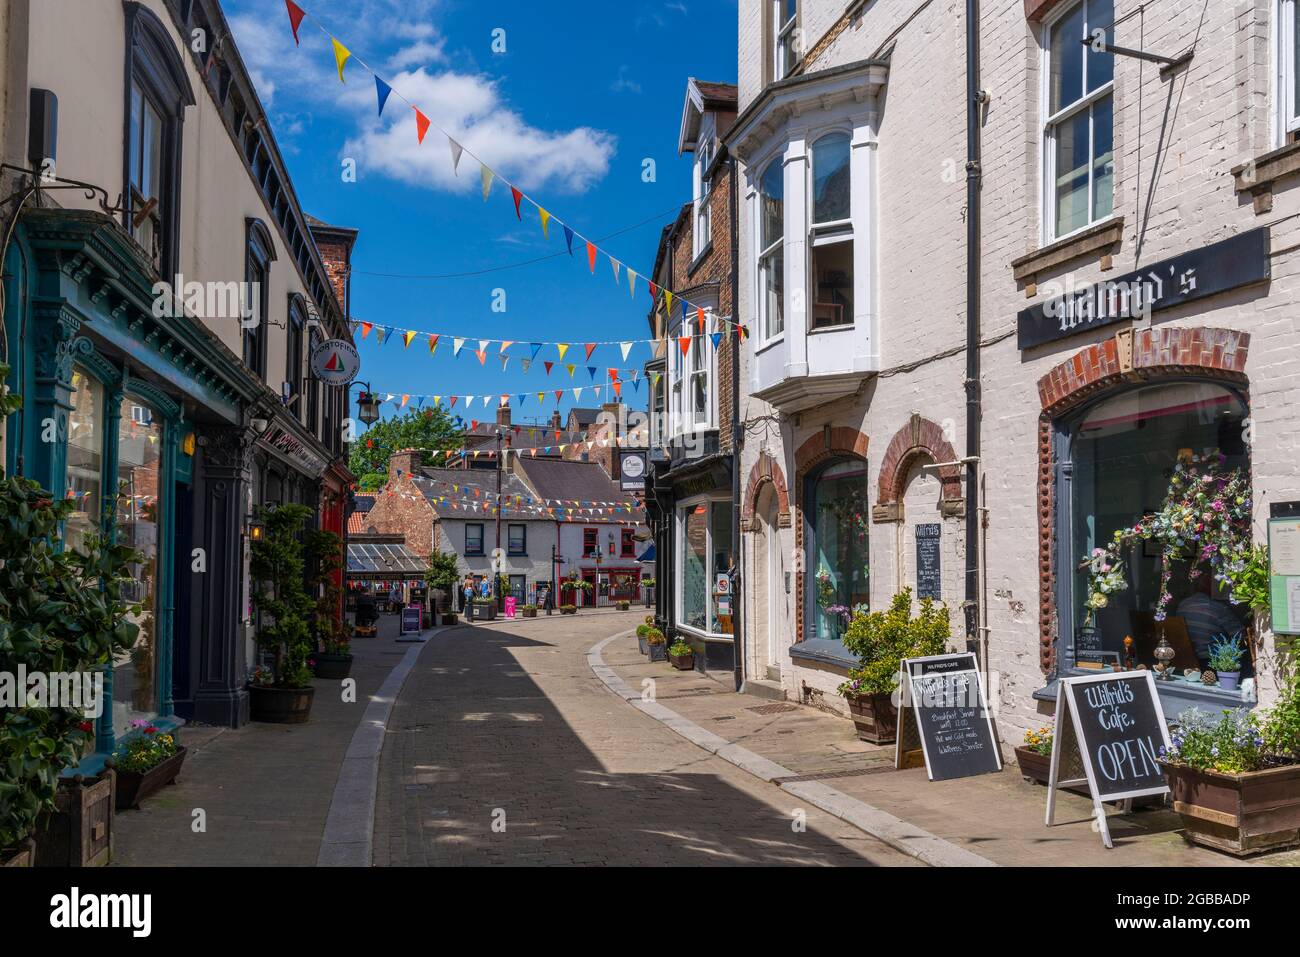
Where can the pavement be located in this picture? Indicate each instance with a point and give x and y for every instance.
(553, 741)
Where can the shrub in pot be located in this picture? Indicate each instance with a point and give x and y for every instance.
(324, 554)
(657, 644)
(622, 605)
(145, 762)
(1035, 756)
(641, 631)
(483, 609)
(1235, 780)
(682, 655)
(283, 693)
(880, 640)
(568, 609)
(528, 611)
(61, 610)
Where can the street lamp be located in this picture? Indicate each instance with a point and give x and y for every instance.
(367, 405)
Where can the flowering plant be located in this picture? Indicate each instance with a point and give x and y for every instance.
(825, 588)
(146, 750)
(1226, 653)
(1204, 520)
(1233, 744)
(262, 676)
(1039, 741)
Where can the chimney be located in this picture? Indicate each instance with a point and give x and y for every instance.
(334, 243)
(404, 462)
(556, 422)
(503, 414)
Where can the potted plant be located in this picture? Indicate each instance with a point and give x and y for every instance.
(483, 609)
(656, 644)
(443, 577)
(642, 630)
(324, 553)
(283, 693)
(145, 762)
(528, 611)
(1225, 658)
(880, 640)
(335, 662)
(1035, 756)
(1235, 781)
(622, 605)
(682, 656)
(61, 610)
(568, 609)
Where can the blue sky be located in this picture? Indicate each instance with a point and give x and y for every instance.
(584, 93)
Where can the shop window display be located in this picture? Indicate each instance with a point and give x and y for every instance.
(838, 553)
(85, 469)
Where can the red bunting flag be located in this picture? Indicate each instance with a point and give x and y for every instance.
(365, 328)
(517, 196)
(699, 317)
(685, 343)
(296, 13)
(591, 261)
(654, 293)
(549, 366)
(590, 347)
(559, 394)
(421, 124)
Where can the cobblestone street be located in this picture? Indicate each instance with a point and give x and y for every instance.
(506, 723)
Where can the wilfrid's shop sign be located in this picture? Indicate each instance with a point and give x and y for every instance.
(1239, 261)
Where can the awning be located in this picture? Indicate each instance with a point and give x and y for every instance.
(384, 560)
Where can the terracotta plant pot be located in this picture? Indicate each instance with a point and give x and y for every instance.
(280, 705)
(80, 831)
(683, 662)
(134, 786)
(1238, 813)
(1034, 767)
(874, 717)
(23, 855)
(333, 666)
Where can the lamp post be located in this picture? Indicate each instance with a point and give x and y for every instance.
(556, 561)
(367, 404)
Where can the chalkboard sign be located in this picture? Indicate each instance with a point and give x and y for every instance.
(411, 619)
(943, 705)
(1111, 727)
(927, 560)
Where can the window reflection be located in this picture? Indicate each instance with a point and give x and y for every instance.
(84, 479)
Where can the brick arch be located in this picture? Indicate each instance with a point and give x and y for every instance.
(818, 448)
(766, 469)
(920, 438)
(1134, 356)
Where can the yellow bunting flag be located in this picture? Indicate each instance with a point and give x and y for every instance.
(563, 347)
(341, 55)
(407, 336)
(570, 368)
(546, 218)
(668, 300)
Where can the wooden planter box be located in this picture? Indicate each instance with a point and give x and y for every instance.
(1034, 767)
(1238, 813)
(80, 831)
(659, 652)
(484, 612)
(874, 717)
(450, 618)
(133, 787)
(528, 612)
(334, 667)
(279, 705)
(683, 662)
(21, 856)
(642, 644)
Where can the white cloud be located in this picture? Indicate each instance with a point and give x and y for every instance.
(467, 105)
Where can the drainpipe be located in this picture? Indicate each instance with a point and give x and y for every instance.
(975, 99)
(737, 435)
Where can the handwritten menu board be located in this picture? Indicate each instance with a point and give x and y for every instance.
(1120, 729)
(927, 561)
(945, 698)
(411, 619)
(1284, 574)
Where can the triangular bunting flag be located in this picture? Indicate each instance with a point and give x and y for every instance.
(341, 54)
(591, 256)
(625, 347)
(590, 347)
(433, 343)
(382, 90)
(668, 300)
(456, 345)
(562, 348)
(685, 343)
(591, 371)
(517, 196)
(296, 13)
(486, 175)
(549, 366)
(365, 328)
(456, 150)
(717, 338)
(614, 263)
(568, 239)
(631, 282)
(526, 363)
(421, 124)
(407, 336)
(545, 218)
(570, 367)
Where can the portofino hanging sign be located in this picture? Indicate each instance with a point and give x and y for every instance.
(1239, 261)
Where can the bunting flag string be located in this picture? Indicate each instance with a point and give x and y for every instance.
(343, 55)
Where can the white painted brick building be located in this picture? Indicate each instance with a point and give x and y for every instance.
(865, 373)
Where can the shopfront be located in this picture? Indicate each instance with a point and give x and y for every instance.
(115, 401)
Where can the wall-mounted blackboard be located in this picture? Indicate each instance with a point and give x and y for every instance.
(944, 706)
(928, 578)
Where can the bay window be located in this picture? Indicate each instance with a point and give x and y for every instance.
(831, 233)
(1078, 129)
(771, 250)
(698, 378)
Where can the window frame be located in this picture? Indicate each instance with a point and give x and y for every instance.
(294, 358)
(469, 552)
(783, 31)
(153, 64)
(522, 550)
(680, 511)
(831, 232)
(809, 517)
(627, 543)
(1287, 109)
(702, 189)
(765, 335)
(1048, 121)
(259, 254)
(589, 551)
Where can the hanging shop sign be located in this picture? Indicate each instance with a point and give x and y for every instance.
(335, 362)
(1110, 728)
(1284, 574)
(927, 560)
(632, 469)
(1208, 271)
(944, 712)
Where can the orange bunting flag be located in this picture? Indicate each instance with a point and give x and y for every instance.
(559, 394)
(685, 343)
(591, 256)
(506, 344)
(699, 317)
(433, 343)
(590, 347)
(517, 196)
(421, 124)
(341, 54)
(365, 328)
(618, 389)
(405, 399)
(482, 356)
(296, 13)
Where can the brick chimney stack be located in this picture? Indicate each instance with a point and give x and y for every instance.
(556, 422)
(503, 414)
(334, 243)
(404, 462)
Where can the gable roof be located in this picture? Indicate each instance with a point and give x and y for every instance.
(568, 481)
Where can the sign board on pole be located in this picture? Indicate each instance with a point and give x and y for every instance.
(1109, 729)
(943, 706)
(335, 362)
(632, 469)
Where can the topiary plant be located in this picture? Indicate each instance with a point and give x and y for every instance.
(281, 597)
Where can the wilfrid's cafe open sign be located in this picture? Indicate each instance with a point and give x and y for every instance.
(1239, 261)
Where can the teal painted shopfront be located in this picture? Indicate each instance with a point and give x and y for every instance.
(119, 404)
